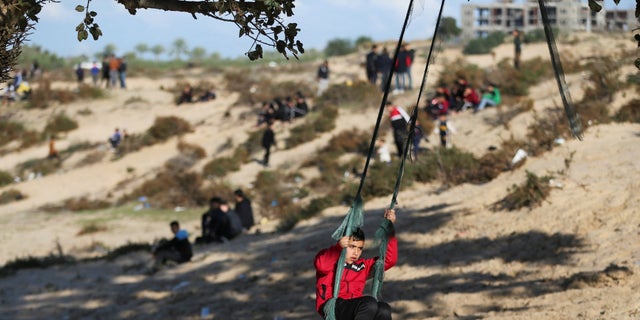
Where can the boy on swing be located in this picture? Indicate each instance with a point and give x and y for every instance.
(351, 304)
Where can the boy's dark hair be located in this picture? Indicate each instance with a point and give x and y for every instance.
(215, 200)
(357, 235)
(239, 193)
(174, 223)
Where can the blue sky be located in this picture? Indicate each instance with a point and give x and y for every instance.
(320, 21)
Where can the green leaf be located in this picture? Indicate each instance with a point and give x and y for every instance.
(93, 13)
(594, 6)
(79, 8)
(637, 63)
(80, 27)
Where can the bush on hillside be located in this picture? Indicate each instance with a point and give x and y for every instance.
(220, 167)
(191, 150)
(353, 140)
(604, 80)
(5, 178)
(630, 112)
(339, 47)
(170, 189)
(275, 194)
(530, 194)
(314, 124)
(358, 95)
(11, 195)
(42, 166)
(12, 131)
(78, 204)
(59, 123)
(164, 128)
(484, 45)
(43, 95)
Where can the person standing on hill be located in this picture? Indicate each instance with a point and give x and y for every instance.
(517, 45)
(243, 209)
(370, 65)
(268, 140)
(122, 72)
(323, 77)
(383, 65)
(95, 72)
(105, 71)
(399, 120)
(114, 66)
(403, 65)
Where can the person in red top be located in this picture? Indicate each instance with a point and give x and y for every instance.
(351, 304)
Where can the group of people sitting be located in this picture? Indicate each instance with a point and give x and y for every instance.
(283, 110)
(219, 224)
(462, 96)
(189, 96)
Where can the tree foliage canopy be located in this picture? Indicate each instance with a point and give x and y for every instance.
(261, 20)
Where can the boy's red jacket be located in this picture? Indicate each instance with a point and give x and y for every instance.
(354, 275)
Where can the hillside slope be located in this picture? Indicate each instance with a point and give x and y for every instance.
(574, 257)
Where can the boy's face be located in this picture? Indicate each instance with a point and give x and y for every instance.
(354, 251)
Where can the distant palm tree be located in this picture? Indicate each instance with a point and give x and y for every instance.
(197, 54)
(142, 48)
(178, 48)
(157, 50)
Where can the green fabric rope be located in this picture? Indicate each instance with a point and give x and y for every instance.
(355, 212)
(386, 227)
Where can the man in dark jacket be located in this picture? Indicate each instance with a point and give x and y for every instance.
(383, 65)
(177, 249)
(244, 209)
(225, 224)
(372, 70)
(208, 234)
(268, 139)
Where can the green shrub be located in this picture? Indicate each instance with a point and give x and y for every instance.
(300, 134)
(170, 189)
(11, 195)
(359, 94)
(91, 228)
(326, 121)
(530, 194)
(60, 123)
(166, 127)
(452, 165)
(191, 150)
(339, 47)
(382, 178)
(41, 166)
(5, 178)
(31, 262)
(484, 45)
(354, 140)
(11, 130)
(219, 167)
(86, 91)
(630, 112)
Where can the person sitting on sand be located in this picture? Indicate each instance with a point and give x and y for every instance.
(350, 303)
(177, 249)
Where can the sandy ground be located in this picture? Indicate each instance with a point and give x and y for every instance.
(574, 257)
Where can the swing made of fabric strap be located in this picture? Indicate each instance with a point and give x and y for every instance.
(355, 217)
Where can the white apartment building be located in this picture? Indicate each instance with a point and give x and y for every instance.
(478, 20)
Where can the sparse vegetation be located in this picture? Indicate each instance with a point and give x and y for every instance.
(60, 123)
(529, 195)
(630, 112)
(5, 178)
(11, 195)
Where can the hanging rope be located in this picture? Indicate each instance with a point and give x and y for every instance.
(354, 217)
(569, 109)
(386, 227)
